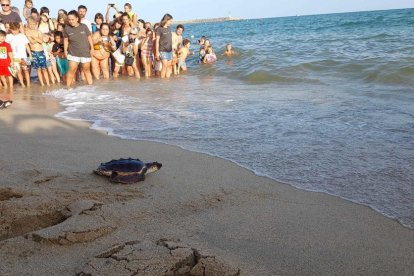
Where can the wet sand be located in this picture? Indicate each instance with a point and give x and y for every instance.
(198, 214)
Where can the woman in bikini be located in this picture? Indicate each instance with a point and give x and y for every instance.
(103, 43)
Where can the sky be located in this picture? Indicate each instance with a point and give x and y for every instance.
(153, 10)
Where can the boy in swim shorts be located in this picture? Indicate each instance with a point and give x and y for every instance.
(183, 53)
(38, 55)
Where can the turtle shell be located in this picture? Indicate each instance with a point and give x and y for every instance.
(122, 167)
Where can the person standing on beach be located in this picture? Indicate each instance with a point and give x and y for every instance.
(57, 51)
(147, 52)
(103, 43)
(45, 24)
(20, 46)
(77, 48)
(8, 16)
(6, 58)
(38, 55)
(132, 15)
(27, 9)
(163, 45)
(182, 54)
(130, 49)
(82, 10)
(177, 38)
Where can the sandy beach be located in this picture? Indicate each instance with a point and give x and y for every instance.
(199, 215)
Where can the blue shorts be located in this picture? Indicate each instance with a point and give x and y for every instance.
(39, 60)
(166, 55)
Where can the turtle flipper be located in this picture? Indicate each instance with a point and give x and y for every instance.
(128, 178)
(5, 104)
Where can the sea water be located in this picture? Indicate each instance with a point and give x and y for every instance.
(324, 103)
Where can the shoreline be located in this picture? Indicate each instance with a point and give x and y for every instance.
(62, 115)
(252, 222)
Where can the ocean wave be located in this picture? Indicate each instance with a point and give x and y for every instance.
(387, 76)
(379, 37)
(262, 77)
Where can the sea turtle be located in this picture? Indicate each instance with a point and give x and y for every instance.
(127, 170)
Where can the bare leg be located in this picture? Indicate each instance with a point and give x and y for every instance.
(116, 71)
(27, 77)
(135, 68)
(20, 77)
(164, 68)
(55, 72)
(40, 76)
(70, 76)
(96, 70)
(147, 66)
(168, 69)
(86, 69)
(174, 66)
(46, 76)
(50, 74)
(10, 81)
(4, 81)
(104, 64)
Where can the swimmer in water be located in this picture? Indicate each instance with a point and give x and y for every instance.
(229, 50)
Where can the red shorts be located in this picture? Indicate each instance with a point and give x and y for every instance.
(4, 71)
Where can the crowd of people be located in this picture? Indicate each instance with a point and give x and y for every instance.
(71, 48)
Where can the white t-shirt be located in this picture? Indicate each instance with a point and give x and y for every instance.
(87, 23)
(18, 44)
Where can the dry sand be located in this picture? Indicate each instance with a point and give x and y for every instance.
(198, 215)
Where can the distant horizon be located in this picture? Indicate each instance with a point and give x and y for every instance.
(240, 18)
(185, 10)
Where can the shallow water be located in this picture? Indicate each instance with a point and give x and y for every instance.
(325, 103)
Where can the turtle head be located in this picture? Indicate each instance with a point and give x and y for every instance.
(153, 167)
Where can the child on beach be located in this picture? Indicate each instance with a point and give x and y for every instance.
(27, 9)
(204, 43)
(58, 53)
(20, 47)
(6, 57)
(183, 53)
(210, 56)
(147, 49)
(38, 55)
(132, 15)
(50, 58)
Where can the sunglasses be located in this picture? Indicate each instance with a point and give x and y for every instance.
(5, 5)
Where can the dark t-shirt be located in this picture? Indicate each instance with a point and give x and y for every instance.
(78, 40)
(12, 17)
(57, 47)
(165, 39)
